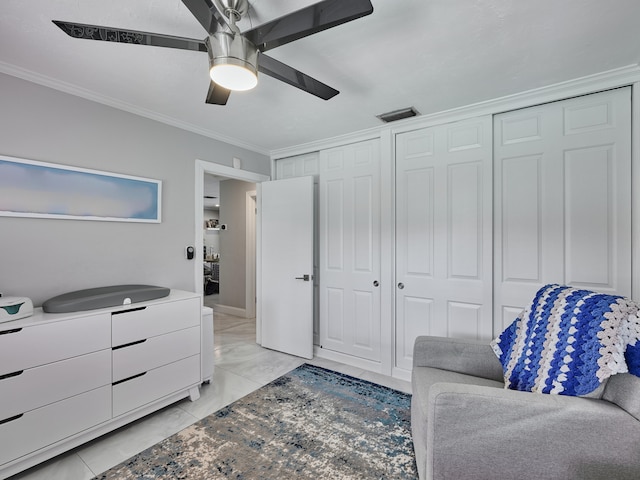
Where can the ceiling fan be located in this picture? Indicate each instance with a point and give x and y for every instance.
(235, 57)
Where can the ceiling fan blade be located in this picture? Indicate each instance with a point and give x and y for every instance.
(207, 14)
(276, 69)
(307, 21)
(217, 95)
(108, 34)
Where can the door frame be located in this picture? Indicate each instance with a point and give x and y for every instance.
(251, 216)
(202, 167)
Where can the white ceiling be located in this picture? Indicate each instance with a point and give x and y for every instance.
(431, 54)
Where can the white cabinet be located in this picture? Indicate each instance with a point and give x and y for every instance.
(150, 385)
(25, 346)
(68, 378)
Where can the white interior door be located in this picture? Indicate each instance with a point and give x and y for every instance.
(443, 234)
(562, 199)
(286, 303)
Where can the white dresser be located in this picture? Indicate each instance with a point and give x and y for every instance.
(69, 378)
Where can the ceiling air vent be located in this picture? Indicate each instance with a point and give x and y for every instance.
(398, 114)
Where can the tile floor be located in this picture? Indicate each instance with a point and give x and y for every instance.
(241, 366)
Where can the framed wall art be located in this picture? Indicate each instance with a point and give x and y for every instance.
(30, 188)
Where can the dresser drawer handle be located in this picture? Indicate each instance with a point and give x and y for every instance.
(7, 332)
(128, 311)
(128, 378)
(11, 419)
(137, 342)
(12, 374)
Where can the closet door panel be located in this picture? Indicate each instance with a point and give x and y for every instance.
(521, 217)
(465, 216)
(350, 250)
(363, 224)
(415, 222)
(443, 234)
(407, 329)
(464, 318)
(588, 183)
(333, 328)
(562, 199)
(334, 219)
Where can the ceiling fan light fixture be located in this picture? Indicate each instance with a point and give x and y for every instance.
(233, 61)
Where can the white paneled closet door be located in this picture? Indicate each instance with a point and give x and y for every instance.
(562, 199)
(350, 250)
(443, 234)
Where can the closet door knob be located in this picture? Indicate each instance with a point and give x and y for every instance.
(400, 285)
(376, 283)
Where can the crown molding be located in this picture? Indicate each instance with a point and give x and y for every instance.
(78, 91)
(618, 77)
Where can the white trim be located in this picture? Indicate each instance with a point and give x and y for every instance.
(401, 373)
(202, 167)
(355, 137)
(77, 91)
(259, 264)
(387, 244)
(560, 91)
(347, 359)
(250, 254)
(635, 193)
(580, 86)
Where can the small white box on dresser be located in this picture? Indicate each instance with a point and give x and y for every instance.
(68, 378)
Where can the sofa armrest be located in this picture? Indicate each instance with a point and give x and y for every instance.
(483, 432)
(457, 355)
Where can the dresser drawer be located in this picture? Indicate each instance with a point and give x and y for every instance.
(155, 352)
(36, 345)
(36, 387)
(139, 323)
(41, 427)
(154, 384)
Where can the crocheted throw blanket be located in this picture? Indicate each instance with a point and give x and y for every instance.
(568, 341)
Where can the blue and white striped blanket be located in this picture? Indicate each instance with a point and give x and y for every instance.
(568, 341)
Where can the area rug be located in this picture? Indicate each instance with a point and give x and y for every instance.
(311, 423)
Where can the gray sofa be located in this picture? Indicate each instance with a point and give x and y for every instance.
(465, 425)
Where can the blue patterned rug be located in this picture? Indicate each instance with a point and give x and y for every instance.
(311, 423)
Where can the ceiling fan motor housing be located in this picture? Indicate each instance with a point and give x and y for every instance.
(230, 49)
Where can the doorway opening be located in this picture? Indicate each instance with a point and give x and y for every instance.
(245, 204)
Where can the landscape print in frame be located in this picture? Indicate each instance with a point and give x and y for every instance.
(30, 188)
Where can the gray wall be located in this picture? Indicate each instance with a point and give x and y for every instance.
(233, 253)
(40, 258)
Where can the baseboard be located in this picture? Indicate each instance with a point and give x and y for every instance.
(238, 312)
(347, 359)
(401, 373)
